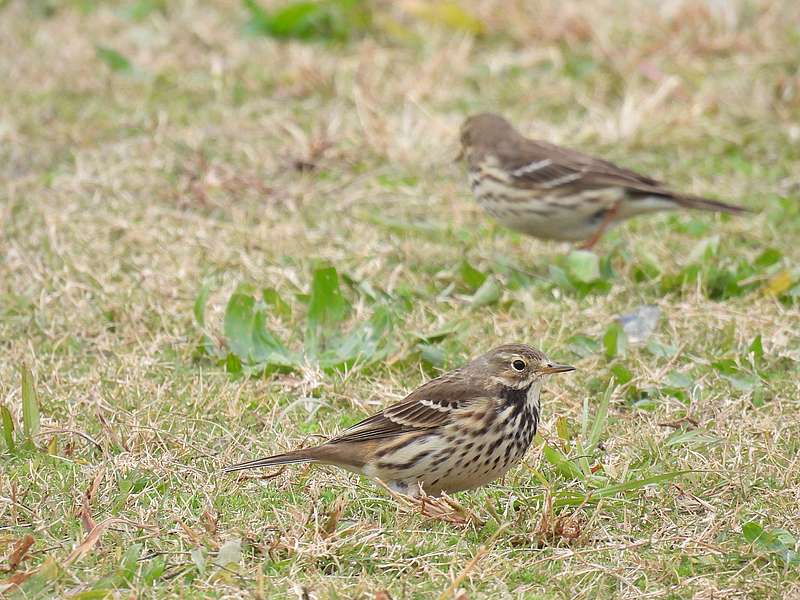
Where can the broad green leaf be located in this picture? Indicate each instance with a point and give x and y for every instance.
(238, 324)
(621, 373)
(657, 349)
(249, 339)
(583, 266)
(562, 428)
(113, 59)
(583, 345)
(273, 299)
(336, 20)
(230, 554)
(364, 344)
(752, 531)
(487, 294)
(692, 437)
(326, 308)
(757, 348)
(200, 305)
(30, 404)
(266, 348)
(678, 380)
(767, 258)
(614, 341)
(130, 562)
(153, 570)
(199, 560)
(8, 427)
(471, 276)
(562, 464)
(431, 355)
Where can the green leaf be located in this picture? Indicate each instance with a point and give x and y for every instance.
(279, 306)
(238, 324)
(487, 294)
(752, 531)
(614, 341)
(471, 276)
(778, 542)
(8, 427)
(326, 308)
(583, 266)
(660, 350)
(154, 570)
(364, 344)
(562, 464)
(431, 355)
(757, 348)
(336, 20)
(562, 429)
(621, 373)
(230, 554)
(249, 339)
(679, 380)
(113, 59)
(200, 305)
(30, 404)
(130, 562)
(583, 345)
(692, 437)
(600, 419)
(199, 560)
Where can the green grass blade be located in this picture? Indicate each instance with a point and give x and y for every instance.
(600, 419)
(8, 427)
(30, 404)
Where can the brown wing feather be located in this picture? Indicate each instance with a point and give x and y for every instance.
(575, 168)
(429, 406)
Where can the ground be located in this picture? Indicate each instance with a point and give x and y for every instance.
(156, 157)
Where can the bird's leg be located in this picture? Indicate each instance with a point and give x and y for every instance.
(608, 218)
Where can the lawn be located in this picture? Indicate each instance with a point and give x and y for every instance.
(224, 234)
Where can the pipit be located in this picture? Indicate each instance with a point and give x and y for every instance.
(555, 193)
(459, 431)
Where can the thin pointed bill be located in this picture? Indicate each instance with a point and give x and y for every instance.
(556, 368)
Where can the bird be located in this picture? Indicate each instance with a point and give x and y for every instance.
(456, 432)
(556, 193)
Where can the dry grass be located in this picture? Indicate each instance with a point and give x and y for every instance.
(122, 194)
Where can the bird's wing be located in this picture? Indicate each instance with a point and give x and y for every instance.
(541, 165)
(429, 406)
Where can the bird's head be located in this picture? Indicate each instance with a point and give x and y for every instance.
(517, 366)
(484, 132)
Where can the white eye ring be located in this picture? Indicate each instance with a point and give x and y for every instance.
(518, 365)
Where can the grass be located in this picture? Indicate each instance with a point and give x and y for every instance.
(160, 160)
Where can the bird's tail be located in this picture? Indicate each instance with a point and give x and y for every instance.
(288, 458)
(700, 203)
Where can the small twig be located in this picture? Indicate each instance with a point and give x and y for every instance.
(80, 434)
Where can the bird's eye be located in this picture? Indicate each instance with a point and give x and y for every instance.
(518, 365)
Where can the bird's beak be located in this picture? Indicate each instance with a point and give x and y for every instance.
(556, 368)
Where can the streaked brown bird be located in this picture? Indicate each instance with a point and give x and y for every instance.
(555, 193)
(456, 432)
